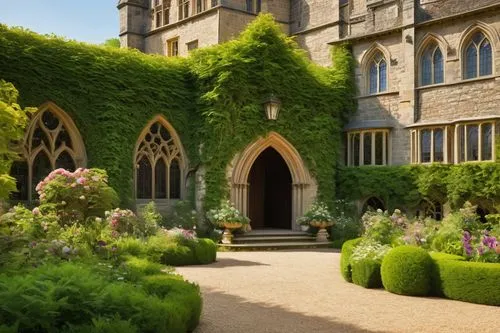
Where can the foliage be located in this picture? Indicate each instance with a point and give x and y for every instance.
(369, 249)
(77, 195)
(151, 219)
(226, 213)
(405, 186)
(406, 270)
(136, 268)
(205, 251)
(182, 215)
(345, 258)
(421, 232)
(366, 273)
(123, 222)
(13, 119)
(384, 228)
(466, 281)
(483, 248)
(70, 294)
(318, 212)
(112, 42)
(214, 98)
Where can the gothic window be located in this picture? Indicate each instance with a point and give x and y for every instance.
(373, 203)
(158, 164)
(475, 141)
(377, 74)
(432, 68)
(432, 209)
(478, 59)
(52, 141)
(428, 145)
(367, 147)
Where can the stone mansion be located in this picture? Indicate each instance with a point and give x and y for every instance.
(427, 70)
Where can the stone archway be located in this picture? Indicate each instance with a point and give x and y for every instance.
(303, 185)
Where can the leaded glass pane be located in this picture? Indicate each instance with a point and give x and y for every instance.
(65, 161)
(438, 67)
(427, 68)
(485, 58)
(471, 61)
(472, 143)
(19, 171)
(144, 179)
(425, 146)
(355, 149)
(461, 143)
(373, 78)
(175, 180)
(160, 180)
(367, 148)
(438, 145)
(382, 76)
(486, 149)
(379, 148)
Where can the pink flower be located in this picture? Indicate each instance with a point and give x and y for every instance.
(36, 211)
(81, 180)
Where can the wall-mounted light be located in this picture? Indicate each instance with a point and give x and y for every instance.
(272, 106)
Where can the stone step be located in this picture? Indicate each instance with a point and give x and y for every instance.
(272, 233)
(266, 246)
(273, 239)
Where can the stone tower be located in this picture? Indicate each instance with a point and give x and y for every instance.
(134, 22)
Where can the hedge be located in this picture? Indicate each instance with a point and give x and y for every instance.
(205, 251)
(406, 270)
(345, 256)
(54, 298)
(366, 273)
(467, 281)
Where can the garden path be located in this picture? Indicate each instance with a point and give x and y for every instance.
(303, 291)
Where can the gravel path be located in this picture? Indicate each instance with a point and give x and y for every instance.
(302, 291)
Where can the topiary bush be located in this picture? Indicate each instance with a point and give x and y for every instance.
(366, 273)
(346, 252)
(205, 251)
(406, 270)
(467, 281)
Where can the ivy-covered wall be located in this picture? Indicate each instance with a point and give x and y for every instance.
(213, 99)
(405, 186)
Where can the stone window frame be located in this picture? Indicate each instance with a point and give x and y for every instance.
(458, 139)
(366, 62)
(200, 6)
(416, 144)
(493, 37)
(386, 146)
(433, 49)
(172, 47)
(253, 6)
(49, 145)
(192, 45)
(183, 9)
(161, 13)
(175, 152)
(429, 40)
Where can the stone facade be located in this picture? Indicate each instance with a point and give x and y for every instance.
(397, 31)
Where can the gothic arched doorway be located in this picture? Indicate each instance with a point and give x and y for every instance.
(270, 193)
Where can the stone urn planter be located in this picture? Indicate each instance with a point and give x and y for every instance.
(227, 236)
(322, 235)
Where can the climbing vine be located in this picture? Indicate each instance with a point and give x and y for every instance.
(213, 99)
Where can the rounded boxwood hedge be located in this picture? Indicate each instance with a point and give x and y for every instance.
(474, 282)
(366, 273)
(406, 270)
(205, 251)
(345, 256)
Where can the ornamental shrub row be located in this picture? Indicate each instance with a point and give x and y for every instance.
(366, 273)
(467, 281)
(345, 256)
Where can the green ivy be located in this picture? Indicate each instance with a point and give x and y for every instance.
(406, 186)
(213, 99)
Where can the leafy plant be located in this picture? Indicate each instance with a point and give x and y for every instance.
(318, 212)
(226, 213)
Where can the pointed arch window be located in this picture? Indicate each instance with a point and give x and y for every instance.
(432, 68)
(158, 164)
(377, 74)
(478, 59)
(51, 141)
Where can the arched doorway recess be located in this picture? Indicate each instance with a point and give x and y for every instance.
(303, 186)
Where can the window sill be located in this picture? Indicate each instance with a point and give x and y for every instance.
(385, 93)
(463, 81)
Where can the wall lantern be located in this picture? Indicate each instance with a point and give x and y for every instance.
(272, 106)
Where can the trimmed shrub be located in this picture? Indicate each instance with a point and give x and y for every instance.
(178, 255)
(406, 270)
(137, 268)
(130, 246)
(345, 266)
(467, 281)
(175, 289)
(366, 273)
(205, 251)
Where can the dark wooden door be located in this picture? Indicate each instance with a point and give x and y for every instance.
(270, 197)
